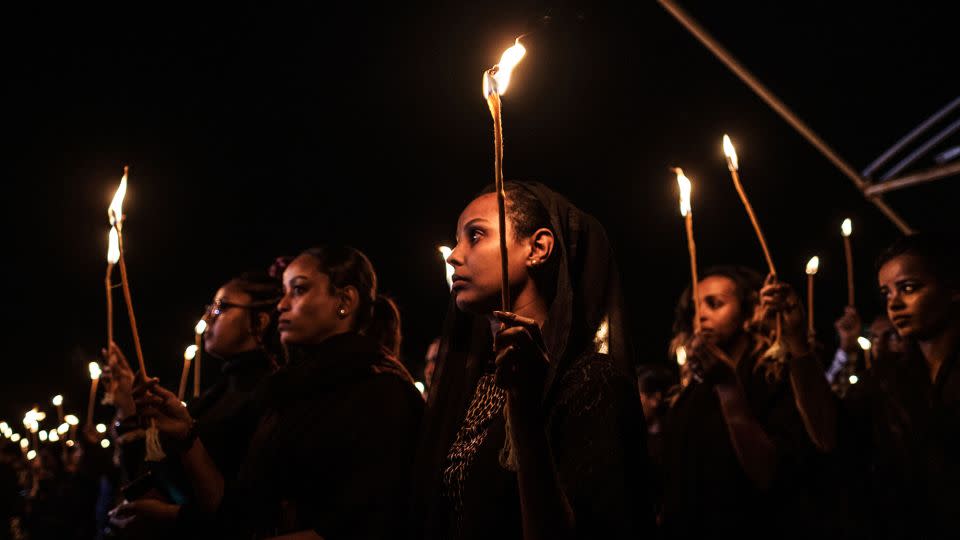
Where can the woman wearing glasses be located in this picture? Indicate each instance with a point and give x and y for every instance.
(242, 334)
(332, 452)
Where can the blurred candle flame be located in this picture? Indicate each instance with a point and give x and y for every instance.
(846, 228)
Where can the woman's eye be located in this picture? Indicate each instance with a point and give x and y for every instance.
(475, 235)
(299, 289)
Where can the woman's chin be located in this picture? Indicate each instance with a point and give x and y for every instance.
(470, 303)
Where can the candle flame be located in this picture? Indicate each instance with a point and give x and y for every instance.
(43, 436)
(190, 353)
(420, 386)
(94, 370)
(72, 420)
(15, 437)
(681, 355)
(31, 454)
(685, 188)
(864, 343)
(63, 428)
(201, 327)
(57, 400)
(101, 428)
(846, 228)
(23, 442)
(445, 251)
(854, 379)
(731, 153)
(115, 211)
(497, 78)
(813, 265)
(105, 443)
(53, 437)
(113, 247)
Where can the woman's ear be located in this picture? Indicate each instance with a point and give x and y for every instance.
(262, 321)
(349, 300)
(541, 247)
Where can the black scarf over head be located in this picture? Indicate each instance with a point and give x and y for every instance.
(587, 293)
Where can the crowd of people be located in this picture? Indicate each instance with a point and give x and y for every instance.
(535, 423)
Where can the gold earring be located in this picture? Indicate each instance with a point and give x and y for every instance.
(342, 312)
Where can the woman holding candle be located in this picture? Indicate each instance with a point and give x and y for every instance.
(739, 440)
(337, 425)
(242, 334)
(533, 428)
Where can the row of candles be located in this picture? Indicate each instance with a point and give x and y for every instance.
(65, 431)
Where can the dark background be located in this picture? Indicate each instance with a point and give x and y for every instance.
(259, 130)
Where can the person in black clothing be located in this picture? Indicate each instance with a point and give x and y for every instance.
(742, 438)
(909, 414)
(333, 448)
(242, 334)
(533, 427)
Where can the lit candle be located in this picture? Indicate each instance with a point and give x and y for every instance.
(445, 252)
(73, 422)
(113, 257)
(733, 165)
(495, 83)
(812, 266)
(58, 403)
(867, 347)
(681, 355)
(188, 356)
(115, 213)
(687, 212)
(198, 331)
(846, 229)
(95, 372)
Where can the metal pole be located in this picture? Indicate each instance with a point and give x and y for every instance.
(923, 149)
(919, 178)
(724, 56)
(909, 138)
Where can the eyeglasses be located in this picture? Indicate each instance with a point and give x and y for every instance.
(219, 306)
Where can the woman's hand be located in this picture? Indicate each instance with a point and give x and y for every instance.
(522, 363)
(708, 362)
(780, 299)
(848, 328)
(122, 380)
(144, 517)
(157, 403)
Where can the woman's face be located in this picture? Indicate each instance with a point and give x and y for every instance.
(721, 316)
(476, 258)
(918, 304)
(228, 324)
(309, 309)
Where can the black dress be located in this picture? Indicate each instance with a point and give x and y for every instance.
(906, 438)
(333, 449)
(706, 491)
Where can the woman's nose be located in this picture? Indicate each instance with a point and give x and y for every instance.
(454, 259)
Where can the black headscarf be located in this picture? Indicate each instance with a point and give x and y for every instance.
(587, 293)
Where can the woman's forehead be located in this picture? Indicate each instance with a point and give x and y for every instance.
(482, 207)
(902, 266)
(718, 285)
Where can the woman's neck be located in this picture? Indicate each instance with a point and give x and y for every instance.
(530, 304)
(938, 348)
(736, 348)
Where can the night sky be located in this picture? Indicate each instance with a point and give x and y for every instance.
(260, 130)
